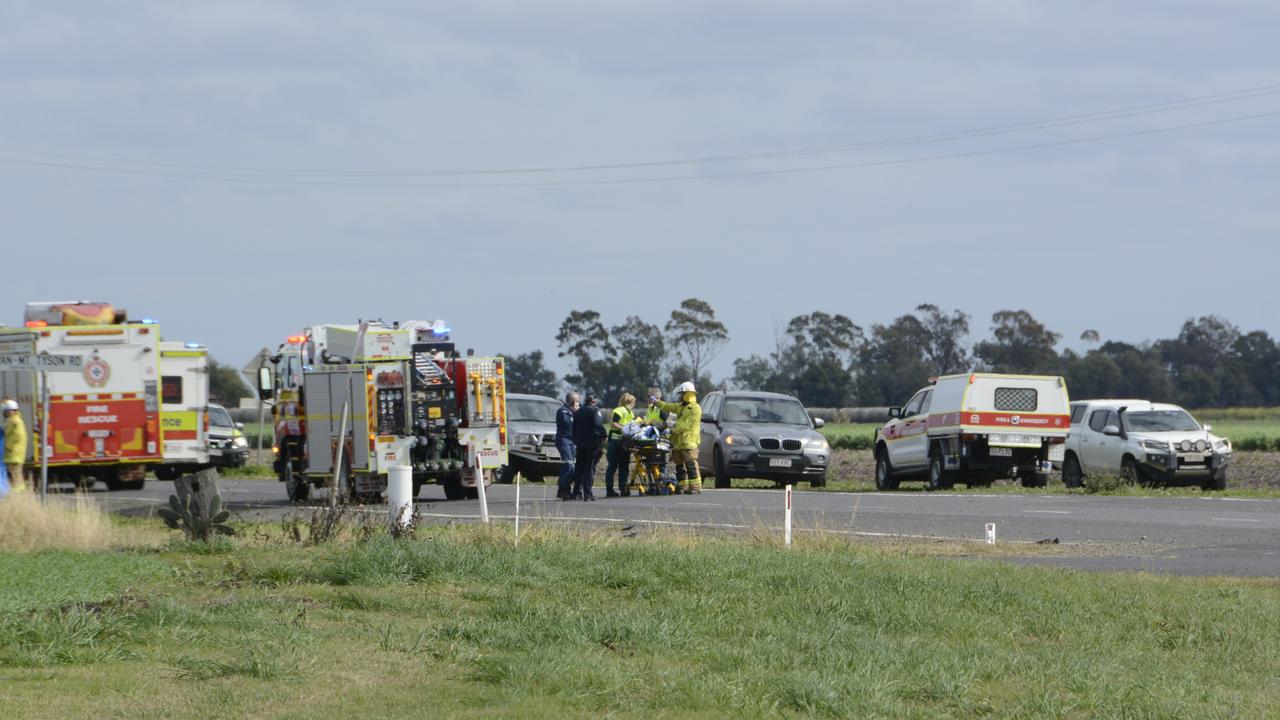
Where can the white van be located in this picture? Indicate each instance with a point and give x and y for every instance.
(973, 428)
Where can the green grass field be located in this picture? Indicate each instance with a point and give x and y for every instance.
(459, 623)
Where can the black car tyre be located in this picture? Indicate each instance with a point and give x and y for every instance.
(722, 473)
(884, 472)
(1131, 473)
(1072, 473)
(1217, 482)
(298, 489)
(939, 478)
(508, 474)
(1034, 479)
(453, 489)
(820, 481)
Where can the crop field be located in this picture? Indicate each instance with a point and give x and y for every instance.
(460, 623)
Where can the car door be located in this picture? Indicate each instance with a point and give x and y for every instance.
(710, 431)
(910, 444)
(1100, 453)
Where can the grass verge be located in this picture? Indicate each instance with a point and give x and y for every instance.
(458, 623)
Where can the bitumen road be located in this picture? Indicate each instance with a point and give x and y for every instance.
(1187, 536)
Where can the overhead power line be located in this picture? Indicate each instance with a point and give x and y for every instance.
(397, 178)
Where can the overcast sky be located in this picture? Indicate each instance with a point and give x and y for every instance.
(118, 122)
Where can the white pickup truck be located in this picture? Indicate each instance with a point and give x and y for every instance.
(973, 428)
(1144, 442)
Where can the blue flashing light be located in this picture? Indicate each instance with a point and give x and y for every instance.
(192, 345)
(441, 331)
(148, 321)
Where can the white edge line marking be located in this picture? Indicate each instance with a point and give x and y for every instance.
(1222, 519)
(677, 523)
(1051, 512)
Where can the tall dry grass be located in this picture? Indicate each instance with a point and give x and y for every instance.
(67, 521)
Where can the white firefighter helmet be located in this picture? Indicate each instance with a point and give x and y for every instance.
(686, 387)
(10, 405)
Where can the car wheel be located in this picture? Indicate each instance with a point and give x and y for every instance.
(508, 474)
(1034, 479)
(820, 481)
(939, 478)
(884, 471)
(1218, 481)
(298, 489)
(721, 472)
(1072, 473)
(1130, 472)
(453, 489)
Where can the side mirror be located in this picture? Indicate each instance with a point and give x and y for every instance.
(1111, 430)
(1208, 428)
(239, 426)
(818, 423)
(895, 412)
(266, 383)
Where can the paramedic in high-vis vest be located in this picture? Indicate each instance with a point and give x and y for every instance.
(685, 437)
(614, 452)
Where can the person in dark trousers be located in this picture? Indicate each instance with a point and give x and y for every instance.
(616, 454)
(564, 444)
(588, 437)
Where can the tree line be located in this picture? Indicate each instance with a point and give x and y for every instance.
(827, 360)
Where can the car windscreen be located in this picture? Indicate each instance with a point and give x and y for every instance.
(532, 410)
(219, 417)
(1160, 421)
(764, 410)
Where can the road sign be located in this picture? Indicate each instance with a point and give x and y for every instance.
(250, 368)
(44, 363)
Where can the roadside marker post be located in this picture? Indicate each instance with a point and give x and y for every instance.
(478, 461)
(786, 523)
(991, 533)
(518, 478)
(44, 438)
(400, 495)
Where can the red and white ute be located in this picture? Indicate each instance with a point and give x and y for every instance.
(973, 428)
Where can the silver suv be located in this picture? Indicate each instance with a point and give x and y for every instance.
(1144, 442)
(531, 438)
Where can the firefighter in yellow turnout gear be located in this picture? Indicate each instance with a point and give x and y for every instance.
(685, 437)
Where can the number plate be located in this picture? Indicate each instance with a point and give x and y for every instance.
(780, 462)
(1000, 452)
(553, 454)
(1192, 457)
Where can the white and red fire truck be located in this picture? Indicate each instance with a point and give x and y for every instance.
(104, 419)
(128, 403)
(391, 394)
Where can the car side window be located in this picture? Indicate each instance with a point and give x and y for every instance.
(712, 408)
(1077, 413)
(1098, 420)
(913, 407)
(924, 404)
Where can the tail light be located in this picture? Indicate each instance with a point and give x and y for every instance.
(206, 421)
(151, 435)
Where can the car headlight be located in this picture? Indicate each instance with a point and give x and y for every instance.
(526, 439)
(240, 442)
(819, 445)
(1222, 445)
(738, 440)
(1155, 446)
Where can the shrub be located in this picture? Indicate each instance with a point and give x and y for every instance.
(1102, 483)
